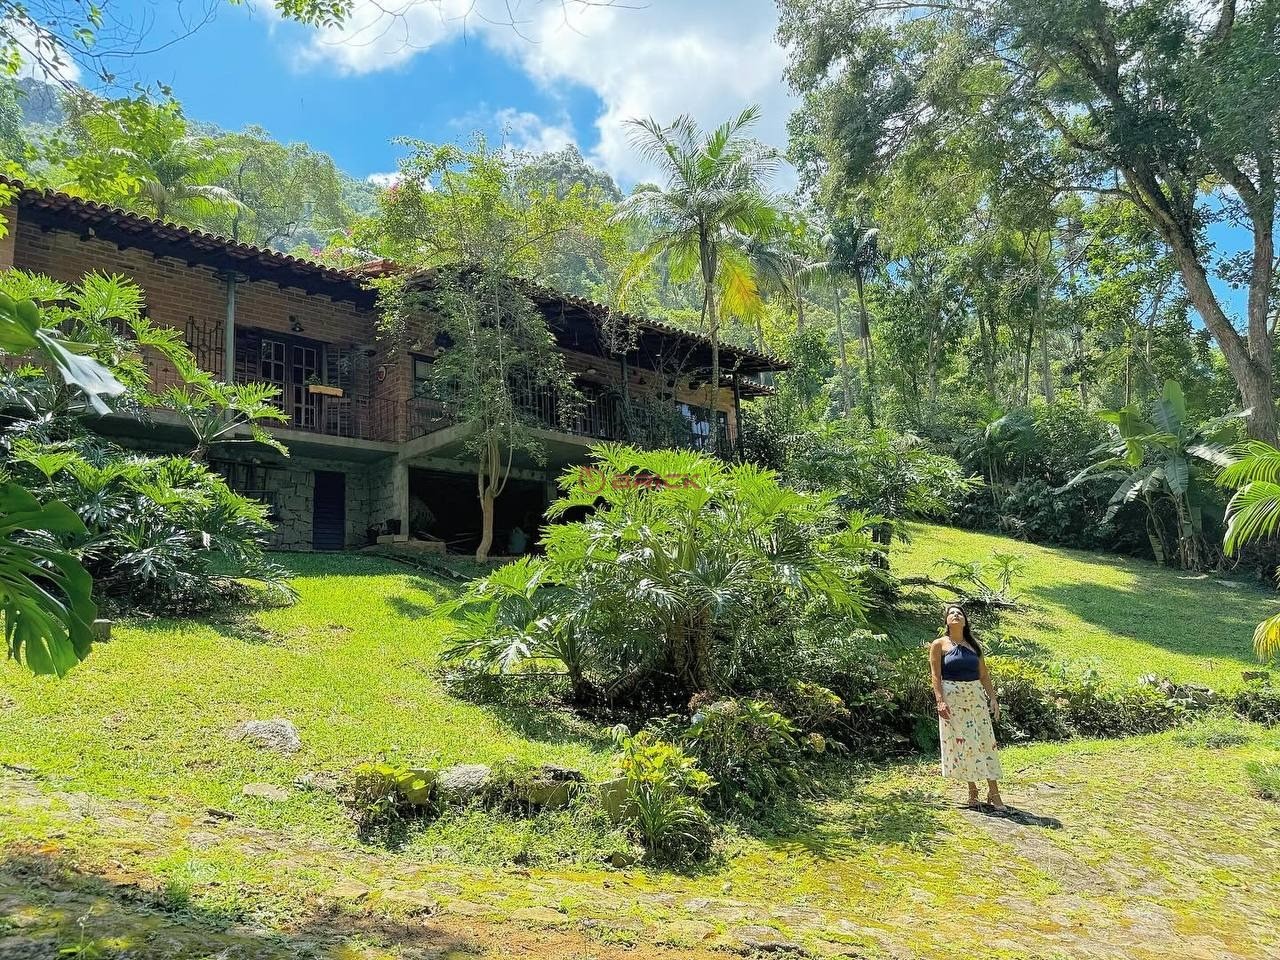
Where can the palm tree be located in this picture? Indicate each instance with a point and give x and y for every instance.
(1252, 515)
(854, 253)
(713, 205)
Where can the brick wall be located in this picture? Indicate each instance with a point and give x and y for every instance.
(192, 297)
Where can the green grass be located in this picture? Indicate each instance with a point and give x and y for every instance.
(352, 665)
(1121, 616)
(114, 769)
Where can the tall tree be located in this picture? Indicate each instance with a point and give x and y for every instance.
(714, 204)
(474, 221)
(1162, 102)
(139, 153)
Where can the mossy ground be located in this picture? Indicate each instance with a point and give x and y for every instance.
(120, 807)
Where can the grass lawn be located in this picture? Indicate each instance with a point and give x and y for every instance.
(123, 830)
(1123, 617)
(352, 666)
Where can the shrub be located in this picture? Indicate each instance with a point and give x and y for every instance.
(664, 787)
(163, 534)
(1258, 701)
(669, 584)
(750, 750)
(382, 795)
(1266, 779)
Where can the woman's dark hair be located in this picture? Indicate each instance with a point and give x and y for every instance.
(969, 638)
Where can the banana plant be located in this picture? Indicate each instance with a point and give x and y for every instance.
(1161, 459)
(1253, 514)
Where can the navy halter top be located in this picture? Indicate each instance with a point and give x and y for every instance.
(960, 663)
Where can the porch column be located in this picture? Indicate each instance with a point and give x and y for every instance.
(400, 494)
(229, 333)
(737, 414)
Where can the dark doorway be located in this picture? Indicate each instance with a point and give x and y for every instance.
(329, 511)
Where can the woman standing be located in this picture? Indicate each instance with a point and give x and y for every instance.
(966, 706)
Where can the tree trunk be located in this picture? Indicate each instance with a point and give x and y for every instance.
(1046, 370)
(486, 510)
(844, 355)
(1026, 363)
(868, 355)
(1249, 361)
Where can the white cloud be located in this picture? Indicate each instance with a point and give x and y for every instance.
(42, 56)
(708, 58)
(526, 131)
(384, 180)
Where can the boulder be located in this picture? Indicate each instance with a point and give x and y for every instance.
(461, 784)
(615, 798)
(265, 791)
(276, 734)
(552, 786)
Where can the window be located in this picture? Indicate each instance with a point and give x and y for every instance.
(422, 376)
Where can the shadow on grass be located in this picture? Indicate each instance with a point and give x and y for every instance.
(853, 822)
(49, 908)
(1185, 617)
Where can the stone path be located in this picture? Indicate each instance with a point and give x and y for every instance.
(1122, 858)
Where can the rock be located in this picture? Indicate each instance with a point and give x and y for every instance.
(265, 791)
(682, 932)
(462, 784)
(615, 798)
(101, 630)
(276, 734)
(763, 939)
(552, 786)
(620, 859)
(417, 903)
(350, 890)
(467, 908)
(1248, 675)
(542, 916)
(321, 781)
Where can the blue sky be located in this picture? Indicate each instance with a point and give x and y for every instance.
(550, 83)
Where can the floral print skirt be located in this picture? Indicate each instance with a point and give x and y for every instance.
(968, 741)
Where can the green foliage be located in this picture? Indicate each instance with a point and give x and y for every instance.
(1160, 458)
(1258, 701)
(159, 534)
(381, 795)
(664, 787)
(751, 751)
(220, 413)
(1265, 778)
(45, 591)
(689, 575)
(895, 476)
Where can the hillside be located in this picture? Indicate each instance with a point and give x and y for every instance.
(1120, 616)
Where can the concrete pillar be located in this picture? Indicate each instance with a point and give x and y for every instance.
(400, 493)
(229, 333)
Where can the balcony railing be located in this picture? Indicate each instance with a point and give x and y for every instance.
(645, 423)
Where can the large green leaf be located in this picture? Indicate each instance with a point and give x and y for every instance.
(1253, 514)
(46, 596)
(22, 332)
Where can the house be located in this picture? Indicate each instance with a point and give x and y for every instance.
(372, 451)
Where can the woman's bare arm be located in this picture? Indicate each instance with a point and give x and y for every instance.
(935, 672)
